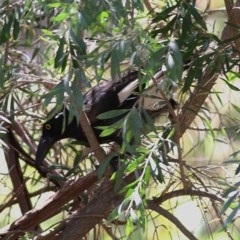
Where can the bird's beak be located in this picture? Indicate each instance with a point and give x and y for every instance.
(44, 146)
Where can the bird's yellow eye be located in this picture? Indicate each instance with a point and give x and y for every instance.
(48, 126)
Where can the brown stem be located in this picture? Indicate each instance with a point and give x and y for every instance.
(52, 206)
(93, 142)
(161, 211)
(5, 60)
(232, 29)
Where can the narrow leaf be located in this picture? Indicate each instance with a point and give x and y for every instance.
(112, 114)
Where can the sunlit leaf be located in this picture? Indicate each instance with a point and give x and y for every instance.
(60, 17)
(108, 131)
(129, 227)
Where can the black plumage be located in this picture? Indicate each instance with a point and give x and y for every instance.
(121, 93)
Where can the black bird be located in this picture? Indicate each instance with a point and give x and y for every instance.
(121, 93)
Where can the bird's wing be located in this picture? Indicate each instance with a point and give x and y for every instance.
(109, 95)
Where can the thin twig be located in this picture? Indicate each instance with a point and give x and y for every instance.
(161, 211)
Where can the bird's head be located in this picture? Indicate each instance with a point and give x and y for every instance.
(55, 129)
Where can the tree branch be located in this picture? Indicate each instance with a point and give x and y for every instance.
(52, 206)
(201, 92)
(16, 175)
(93, 142)
(161, 211)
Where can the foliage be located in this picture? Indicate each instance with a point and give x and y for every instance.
(52, 52)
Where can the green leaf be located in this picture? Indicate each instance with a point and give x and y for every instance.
(16, 28)
(132, 129)
(124, 47)
(236, 107)
(174, 61)
(47, 32)
(134, 216)
(119, 178)
(137, 199)
(112, 114)
(198, 18)
(60, 53)
(136, 164)
(108, 131)
(237, 170)
(77, 93)
(232, 215)
(232, 161)
(228, 191)
(123, 205)
(188, 80)
(55, 5)
(116, 125)
(129, 188)
(156, 170)
(35, 53)
(5, 33)
(113, 215)
(115, 64)
(64, 62)
(163, 15)
(2, 77)
(58, 166)
(60, 17)
(57, 91)
(149, 121)
(80, 78)
(3, 144)
(235, 154)
(147, 175)
(5, 119)
(80, 45)
(228, 203)
(105, 164)
(129, 227)
(231, 86)
(56, 177)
